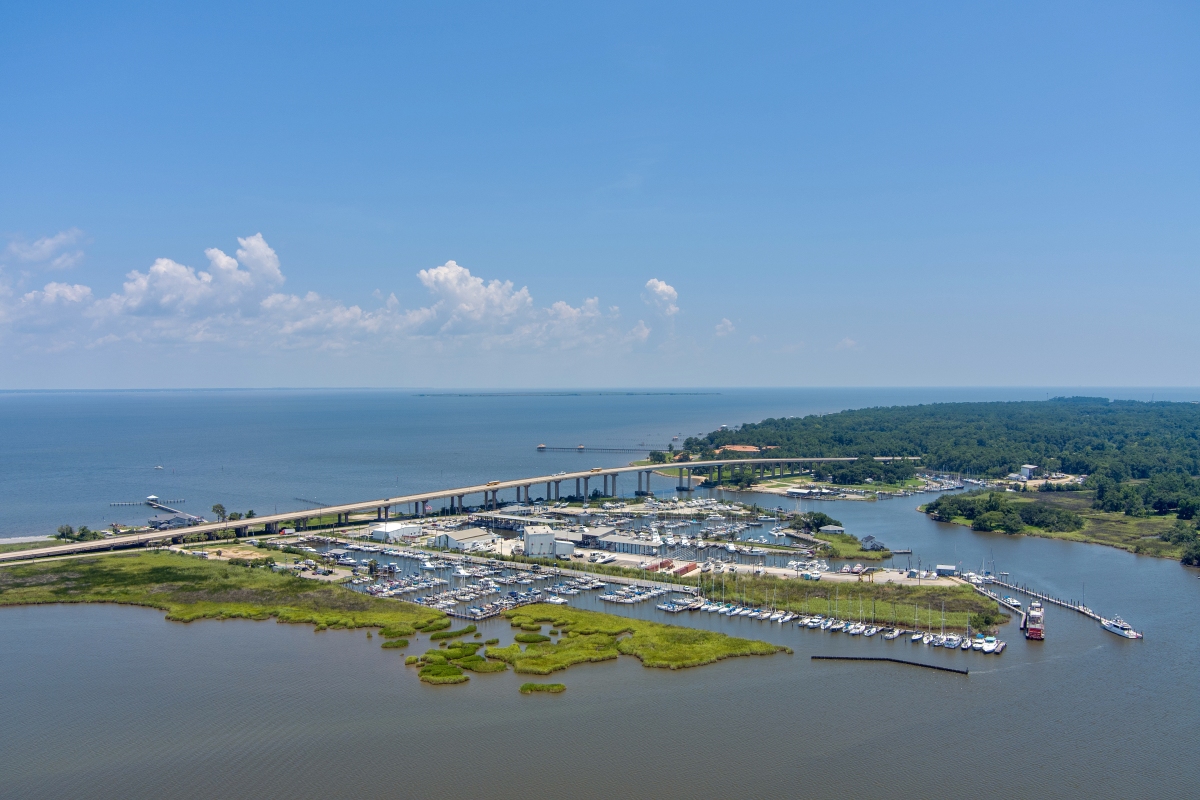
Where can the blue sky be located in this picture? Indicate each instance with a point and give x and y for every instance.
(614, 195)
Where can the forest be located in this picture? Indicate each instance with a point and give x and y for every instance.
(1117, 440)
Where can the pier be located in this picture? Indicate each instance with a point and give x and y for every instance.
(1045, 598)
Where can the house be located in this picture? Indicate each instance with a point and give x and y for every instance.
(162, 522)
(466, 540)
(870, 544)
(831, 529)
(395, 531)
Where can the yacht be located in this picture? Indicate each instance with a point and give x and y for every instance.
(917, 636)
(989, 644)
(1120, 627)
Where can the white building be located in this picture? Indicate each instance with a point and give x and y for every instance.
(466, 540)
(1027, 471)
(564, 548)
(395, 531)
(539, 540)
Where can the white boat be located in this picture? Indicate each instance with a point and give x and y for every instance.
(556, 600)
(1120, 627)
(917, 636)
(989, 644)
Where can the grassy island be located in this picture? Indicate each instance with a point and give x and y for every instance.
(548, 688)
(191, 588)
(589, 636)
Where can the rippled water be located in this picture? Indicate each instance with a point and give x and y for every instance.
(116, 702)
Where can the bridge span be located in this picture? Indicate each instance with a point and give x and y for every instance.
(385, 507)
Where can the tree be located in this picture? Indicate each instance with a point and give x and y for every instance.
(658, 457)
(234, 516)
(250, 514)
(219, 510)
(65, 532)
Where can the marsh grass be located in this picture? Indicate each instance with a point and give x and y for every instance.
(442, 674)
(548, 688)
(453, 634)
(530, 638)
(189, 589)
(594, 636)
(394, 644)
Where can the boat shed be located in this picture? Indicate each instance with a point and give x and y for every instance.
(620, 543)
(466, 539)
(395, 531)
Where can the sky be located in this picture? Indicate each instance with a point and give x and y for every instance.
(614, 194)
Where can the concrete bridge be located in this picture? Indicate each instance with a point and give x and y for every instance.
(414, 504)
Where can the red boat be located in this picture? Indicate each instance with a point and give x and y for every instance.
(1035, 622)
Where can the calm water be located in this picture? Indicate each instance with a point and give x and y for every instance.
(116, 702)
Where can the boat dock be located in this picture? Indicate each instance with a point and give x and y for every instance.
(1045, 598)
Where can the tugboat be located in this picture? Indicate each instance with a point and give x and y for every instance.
(1035, 622)
(1120, 627)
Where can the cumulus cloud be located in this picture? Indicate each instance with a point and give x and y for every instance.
(237, 300)
(724, 327)
(61, 293)
(846, 344)
(51, 252)
(662, 295)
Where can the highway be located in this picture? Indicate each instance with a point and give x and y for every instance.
(384, 506)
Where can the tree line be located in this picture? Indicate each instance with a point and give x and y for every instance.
(993, 511)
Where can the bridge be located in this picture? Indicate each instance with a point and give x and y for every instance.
(384, 508)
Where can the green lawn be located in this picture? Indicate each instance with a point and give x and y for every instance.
(8, 548)
(191, 588)
(843, 545)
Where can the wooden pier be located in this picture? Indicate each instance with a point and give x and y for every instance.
(1045, 598)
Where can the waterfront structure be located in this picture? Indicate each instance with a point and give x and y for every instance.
(467, 539)
(620, 543)
(832, 529)
(395, 531)
(163, 522)
(539, 540)
(946, 569)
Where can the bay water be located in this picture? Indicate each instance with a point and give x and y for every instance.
(116, 702)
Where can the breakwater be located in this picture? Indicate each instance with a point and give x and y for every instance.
(893, 660)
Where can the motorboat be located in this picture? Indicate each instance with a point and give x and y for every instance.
(989, 644)
(1120, 627)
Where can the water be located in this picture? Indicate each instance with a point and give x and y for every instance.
(116, 702)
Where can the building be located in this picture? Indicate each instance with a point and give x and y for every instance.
(466, 540)
(946, 569)
(620, 543)
(870, 543)
(1027, 471)
(395, 531)
(162, 522)
(538, 540)
(832, 529)
(563, 548)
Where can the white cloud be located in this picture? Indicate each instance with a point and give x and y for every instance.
(662, 295)
(465, 303)
(846, 344)
(50, 251)
(59, 293)
(724, 328)
(236, 301)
